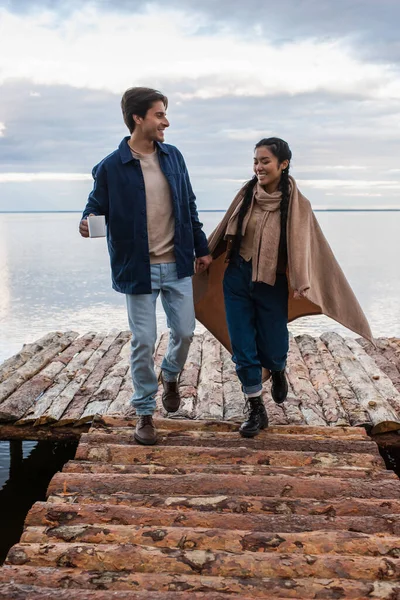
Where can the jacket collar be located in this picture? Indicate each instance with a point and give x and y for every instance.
(126, 154)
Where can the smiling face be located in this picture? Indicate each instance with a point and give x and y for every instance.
(268, 169)
(152, 126)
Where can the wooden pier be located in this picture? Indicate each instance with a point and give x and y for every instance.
(54, 387)
(298, 512)
(306, 510)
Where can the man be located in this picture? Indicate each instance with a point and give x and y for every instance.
(154, 235)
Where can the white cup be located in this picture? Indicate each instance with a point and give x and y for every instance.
(97, 226)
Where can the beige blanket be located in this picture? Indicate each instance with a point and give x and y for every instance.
(312, 271)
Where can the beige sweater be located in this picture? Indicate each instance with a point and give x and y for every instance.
(159, 209)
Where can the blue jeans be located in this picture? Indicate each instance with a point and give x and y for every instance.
(257, 316)
(177, 301)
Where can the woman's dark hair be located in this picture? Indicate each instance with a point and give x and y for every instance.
(281, 150)
(137, 101)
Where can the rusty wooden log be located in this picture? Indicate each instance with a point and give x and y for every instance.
(292, 410)
(21, 389)
(95, 368)
(79, 466)
(110, 385)
(378, 355)
(171, 456)
(298, 376)
(231, 389)
(377, 408)
(29, 432)
(332, 409)
(12, 364)
(77, 354)
(121, 557)
(357, 416)
(210, 403)
(122, 402)
(113, 421)
(380, 381)
(221, 512)
(14, 591)
(264, 441)
(199, 483)
(235, 541)
(69, 579)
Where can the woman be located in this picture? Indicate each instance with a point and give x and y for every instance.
(279, 266)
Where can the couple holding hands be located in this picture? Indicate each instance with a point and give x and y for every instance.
(265, 264)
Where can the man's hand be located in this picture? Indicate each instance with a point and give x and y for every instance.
(202, 263)
(84, 227)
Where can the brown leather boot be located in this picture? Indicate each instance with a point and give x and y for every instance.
(171, 399)
(145, 432)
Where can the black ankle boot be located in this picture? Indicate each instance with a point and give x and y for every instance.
(256, 420)
(279, 388)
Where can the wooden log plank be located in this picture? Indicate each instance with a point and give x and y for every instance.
(235, 541)
(356, 415)
(79, 466)
(29, 432)
(298, 376)
(332, 409)
(113, 421)
(233, 399)
(64, 580)
(388, 367)
(199, 483)
(291, 408)
(123, 454)
(110, 385)
(14, 591)
(108, 557)
(264, 441)
(12, 364)
(377, 408)
(122, 402)
(210, 403)
(94, 370)
(31, 379)
(224, 512)
(77, 356)
(378, 378)
(63, 397)
(35, 364)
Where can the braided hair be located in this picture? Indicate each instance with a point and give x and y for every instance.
(280, 149)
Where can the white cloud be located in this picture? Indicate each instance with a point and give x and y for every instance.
(30, 177)
(2, 129)
(112, 51)
(323, 184)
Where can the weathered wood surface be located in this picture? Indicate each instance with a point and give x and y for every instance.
(63, 380)
(300, 512)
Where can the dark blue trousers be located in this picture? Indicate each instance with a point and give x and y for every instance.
(257, 316)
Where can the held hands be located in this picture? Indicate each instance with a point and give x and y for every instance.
(202, 263)
(84, 227)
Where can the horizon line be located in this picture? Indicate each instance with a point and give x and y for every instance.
(211, 210)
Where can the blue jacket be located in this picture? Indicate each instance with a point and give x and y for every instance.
(119, 194)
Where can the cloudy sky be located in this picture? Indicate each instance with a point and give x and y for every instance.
(323, 75)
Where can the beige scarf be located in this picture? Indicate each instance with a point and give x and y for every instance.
(266, 236)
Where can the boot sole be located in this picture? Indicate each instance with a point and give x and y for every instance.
(143, 442)
(246, 434)
(171, 410)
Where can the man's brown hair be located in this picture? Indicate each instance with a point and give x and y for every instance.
(137, 101)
